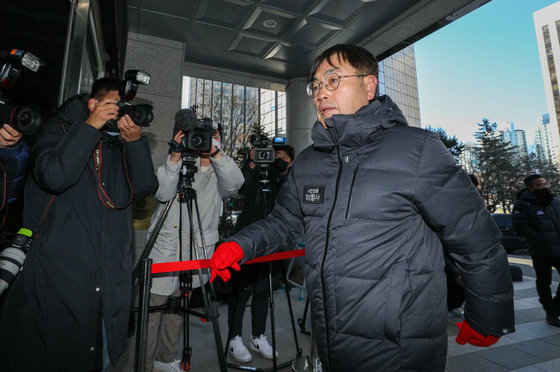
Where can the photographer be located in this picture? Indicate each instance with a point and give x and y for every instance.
(253, 279)
(68, 310)
(217, 177)
(14, 155)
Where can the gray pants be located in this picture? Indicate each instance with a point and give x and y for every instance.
(163, 333)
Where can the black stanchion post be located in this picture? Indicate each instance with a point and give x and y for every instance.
(142, 328)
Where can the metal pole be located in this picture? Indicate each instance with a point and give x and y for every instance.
(142, 327)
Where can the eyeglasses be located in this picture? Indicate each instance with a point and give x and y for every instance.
(331, 83)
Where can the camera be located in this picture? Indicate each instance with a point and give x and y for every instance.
(199, 139)
(12, 258)
(142, 114)
(23, 118)
(263, 154)
(198, 132)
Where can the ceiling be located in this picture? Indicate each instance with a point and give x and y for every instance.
(232, 34)
(38, 27)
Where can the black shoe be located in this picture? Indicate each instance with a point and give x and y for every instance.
(553, 320)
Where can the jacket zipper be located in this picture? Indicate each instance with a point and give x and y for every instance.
(351, 190)
(325, 252)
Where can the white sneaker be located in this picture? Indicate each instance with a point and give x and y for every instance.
(261, 345)
(238, 350)
(168, 367)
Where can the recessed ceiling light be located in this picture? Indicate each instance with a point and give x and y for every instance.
(270, 23)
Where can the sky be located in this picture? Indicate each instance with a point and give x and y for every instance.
(483, 65)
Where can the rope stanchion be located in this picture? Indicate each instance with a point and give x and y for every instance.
(166, 267)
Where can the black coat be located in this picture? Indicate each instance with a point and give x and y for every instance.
(539, 223)
(78, 269)
(378, 202)
(257, 205)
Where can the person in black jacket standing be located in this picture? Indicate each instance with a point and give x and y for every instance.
(378, 203)
(536, 215)
(253, 279)
(68, 310)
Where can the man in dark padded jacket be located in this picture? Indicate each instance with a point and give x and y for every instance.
(536, 215)
(378, 204)
(68, 310)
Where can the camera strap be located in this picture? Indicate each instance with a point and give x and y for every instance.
(100, 190)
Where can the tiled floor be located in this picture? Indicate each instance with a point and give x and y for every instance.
(535, 346)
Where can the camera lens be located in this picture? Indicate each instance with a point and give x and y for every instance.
(26, 119)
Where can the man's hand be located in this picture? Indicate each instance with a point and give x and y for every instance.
(213, 148)
(176, 156)
(227, 255)
(469, 335)
(102, 111)
(252, 164)
(129, 131)
(9, 136)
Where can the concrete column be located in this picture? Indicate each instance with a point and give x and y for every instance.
(300, 114)
(163, 60)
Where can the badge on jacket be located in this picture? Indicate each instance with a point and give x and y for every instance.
(540, 213)
(313, 194)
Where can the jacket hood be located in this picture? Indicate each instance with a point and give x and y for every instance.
(356, 129)
(525, 194)
(73, 110)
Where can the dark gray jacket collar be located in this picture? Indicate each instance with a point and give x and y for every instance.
(355, 130)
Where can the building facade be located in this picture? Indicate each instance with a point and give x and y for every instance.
(467, 158)
(515, 137)
(397, 78)
(547, 28)
(546, 145)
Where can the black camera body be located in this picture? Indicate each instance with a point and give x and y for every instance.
(142, 114)
(199, 138)
(23, 118)
(262, 153)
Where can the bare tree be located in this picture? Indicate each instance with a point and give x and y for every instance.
(238, 113)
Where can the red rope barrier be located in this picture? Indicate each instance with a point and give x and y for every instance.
(166, 267)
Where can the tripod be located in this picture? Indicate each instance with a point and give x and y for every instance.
(263, 206)
(187, 196)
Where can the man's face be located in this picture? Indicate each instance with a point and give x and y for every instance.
(281, 154)
(352, 94)
(538, 184)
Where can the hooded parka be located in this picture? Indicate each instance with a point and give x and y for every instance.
(77, 275)
(539, 223)
(377, 203)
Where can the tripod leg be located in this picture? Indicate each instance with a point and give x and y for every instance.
(298, 348)
(301, 321)
(211, 307)
(272, 329)
(142, 335)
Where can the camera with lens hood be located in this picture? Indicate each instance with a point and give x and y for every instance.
(12, 257)
(23, 118)
(198, 132)
(142, 114)
(262, 153)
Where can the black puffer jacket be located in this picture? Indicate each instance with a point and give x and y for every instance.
(78, 269)
(378, 202)
(539, 223)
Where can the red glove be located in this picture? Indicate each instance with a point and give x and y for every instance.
(227, 255)
(467, 334)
